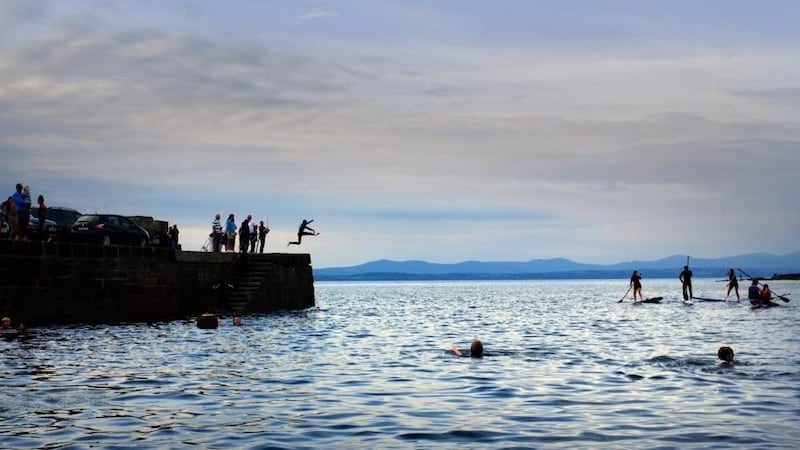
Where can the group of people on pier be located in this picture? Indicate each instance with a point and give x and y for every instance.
(15, 212)
(250, 234)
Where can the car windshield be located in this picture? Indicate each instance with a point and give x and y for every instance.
(88, 219)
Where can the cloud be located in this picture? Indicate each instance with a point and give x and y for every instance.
(318, 14)
(471, 144)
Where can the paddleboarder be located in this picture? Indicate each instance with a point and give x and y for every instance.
(686, 281)
(754, 293)
(766, 296)
(733, 283)
(636, 282)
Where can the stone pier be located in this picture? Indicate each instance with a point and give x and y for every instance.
(69, 283)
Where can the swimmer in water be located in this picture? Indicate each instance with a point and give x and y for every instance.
(475, 350)
(237, 321)
(726, 355)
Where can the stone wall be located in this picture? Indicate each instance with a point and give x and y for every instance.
(63, 283)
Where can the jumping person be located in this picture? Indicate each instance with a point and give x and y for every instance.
(636, 282)
(733, 283)
(686, 280)
(303, 230)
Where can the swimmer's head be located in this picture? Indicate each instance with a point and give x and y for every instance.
(5, 322)
(725, 354)
(476, 349)
(237, 321)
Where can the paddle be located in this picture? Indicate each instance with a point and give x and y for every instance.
(626, 294)
(782, 297)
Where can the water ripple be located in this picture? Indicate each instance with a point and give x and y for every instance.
(565, 366)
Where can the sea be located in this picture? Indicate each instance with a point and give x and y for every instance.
(566, 366)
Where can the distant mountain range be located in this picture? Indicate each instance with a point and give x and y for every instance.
(755, 264)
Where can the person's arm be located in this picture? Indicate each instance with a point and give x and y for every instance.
(456, 351)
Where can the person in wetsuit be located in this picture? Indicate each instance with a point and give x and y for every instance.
(733, 283)
(686, 280)
(636, 283)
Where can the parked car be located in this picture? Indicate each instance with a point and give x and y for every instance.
(63, 218)
(50, 228)
(33, 228)
(108, 229)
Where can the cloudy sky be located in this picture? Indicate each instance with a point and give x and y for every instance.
(599, 131)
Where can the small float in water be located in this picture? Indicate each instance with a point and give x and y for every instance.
(207, 321)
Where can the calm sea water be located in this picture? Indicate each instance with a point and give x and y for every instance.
(567, 367)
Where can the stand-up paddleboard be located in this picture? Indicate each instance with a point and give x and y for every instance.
(704, 299)
(651, 300)
(688, 302)
(763, 306)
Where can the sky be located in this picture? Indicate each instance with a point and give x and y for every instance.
(600, 131)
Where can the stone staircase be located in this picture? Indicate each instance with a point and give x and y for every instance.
(248, 284)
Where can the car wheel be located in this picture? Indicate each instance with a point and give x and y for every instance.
(106, 240)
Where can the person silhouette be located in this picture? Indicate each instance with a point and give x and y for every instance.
(303, 230)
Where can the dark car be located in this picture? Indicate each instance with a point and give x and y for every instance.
(33, 228)
(62, 217)
(108, 229)
(50, 228)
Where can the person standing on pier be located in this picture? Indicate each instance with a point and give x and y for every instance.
(244, 235)
(262, 236)
(11, 217)
(686, 281)
(22, 204)
(216, 234)
(303, 230)
(173, 236)
(230, 231)
(42, 217)
(253, 235)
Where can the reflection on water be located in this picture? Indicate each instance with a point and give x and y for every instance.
(566, 366)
